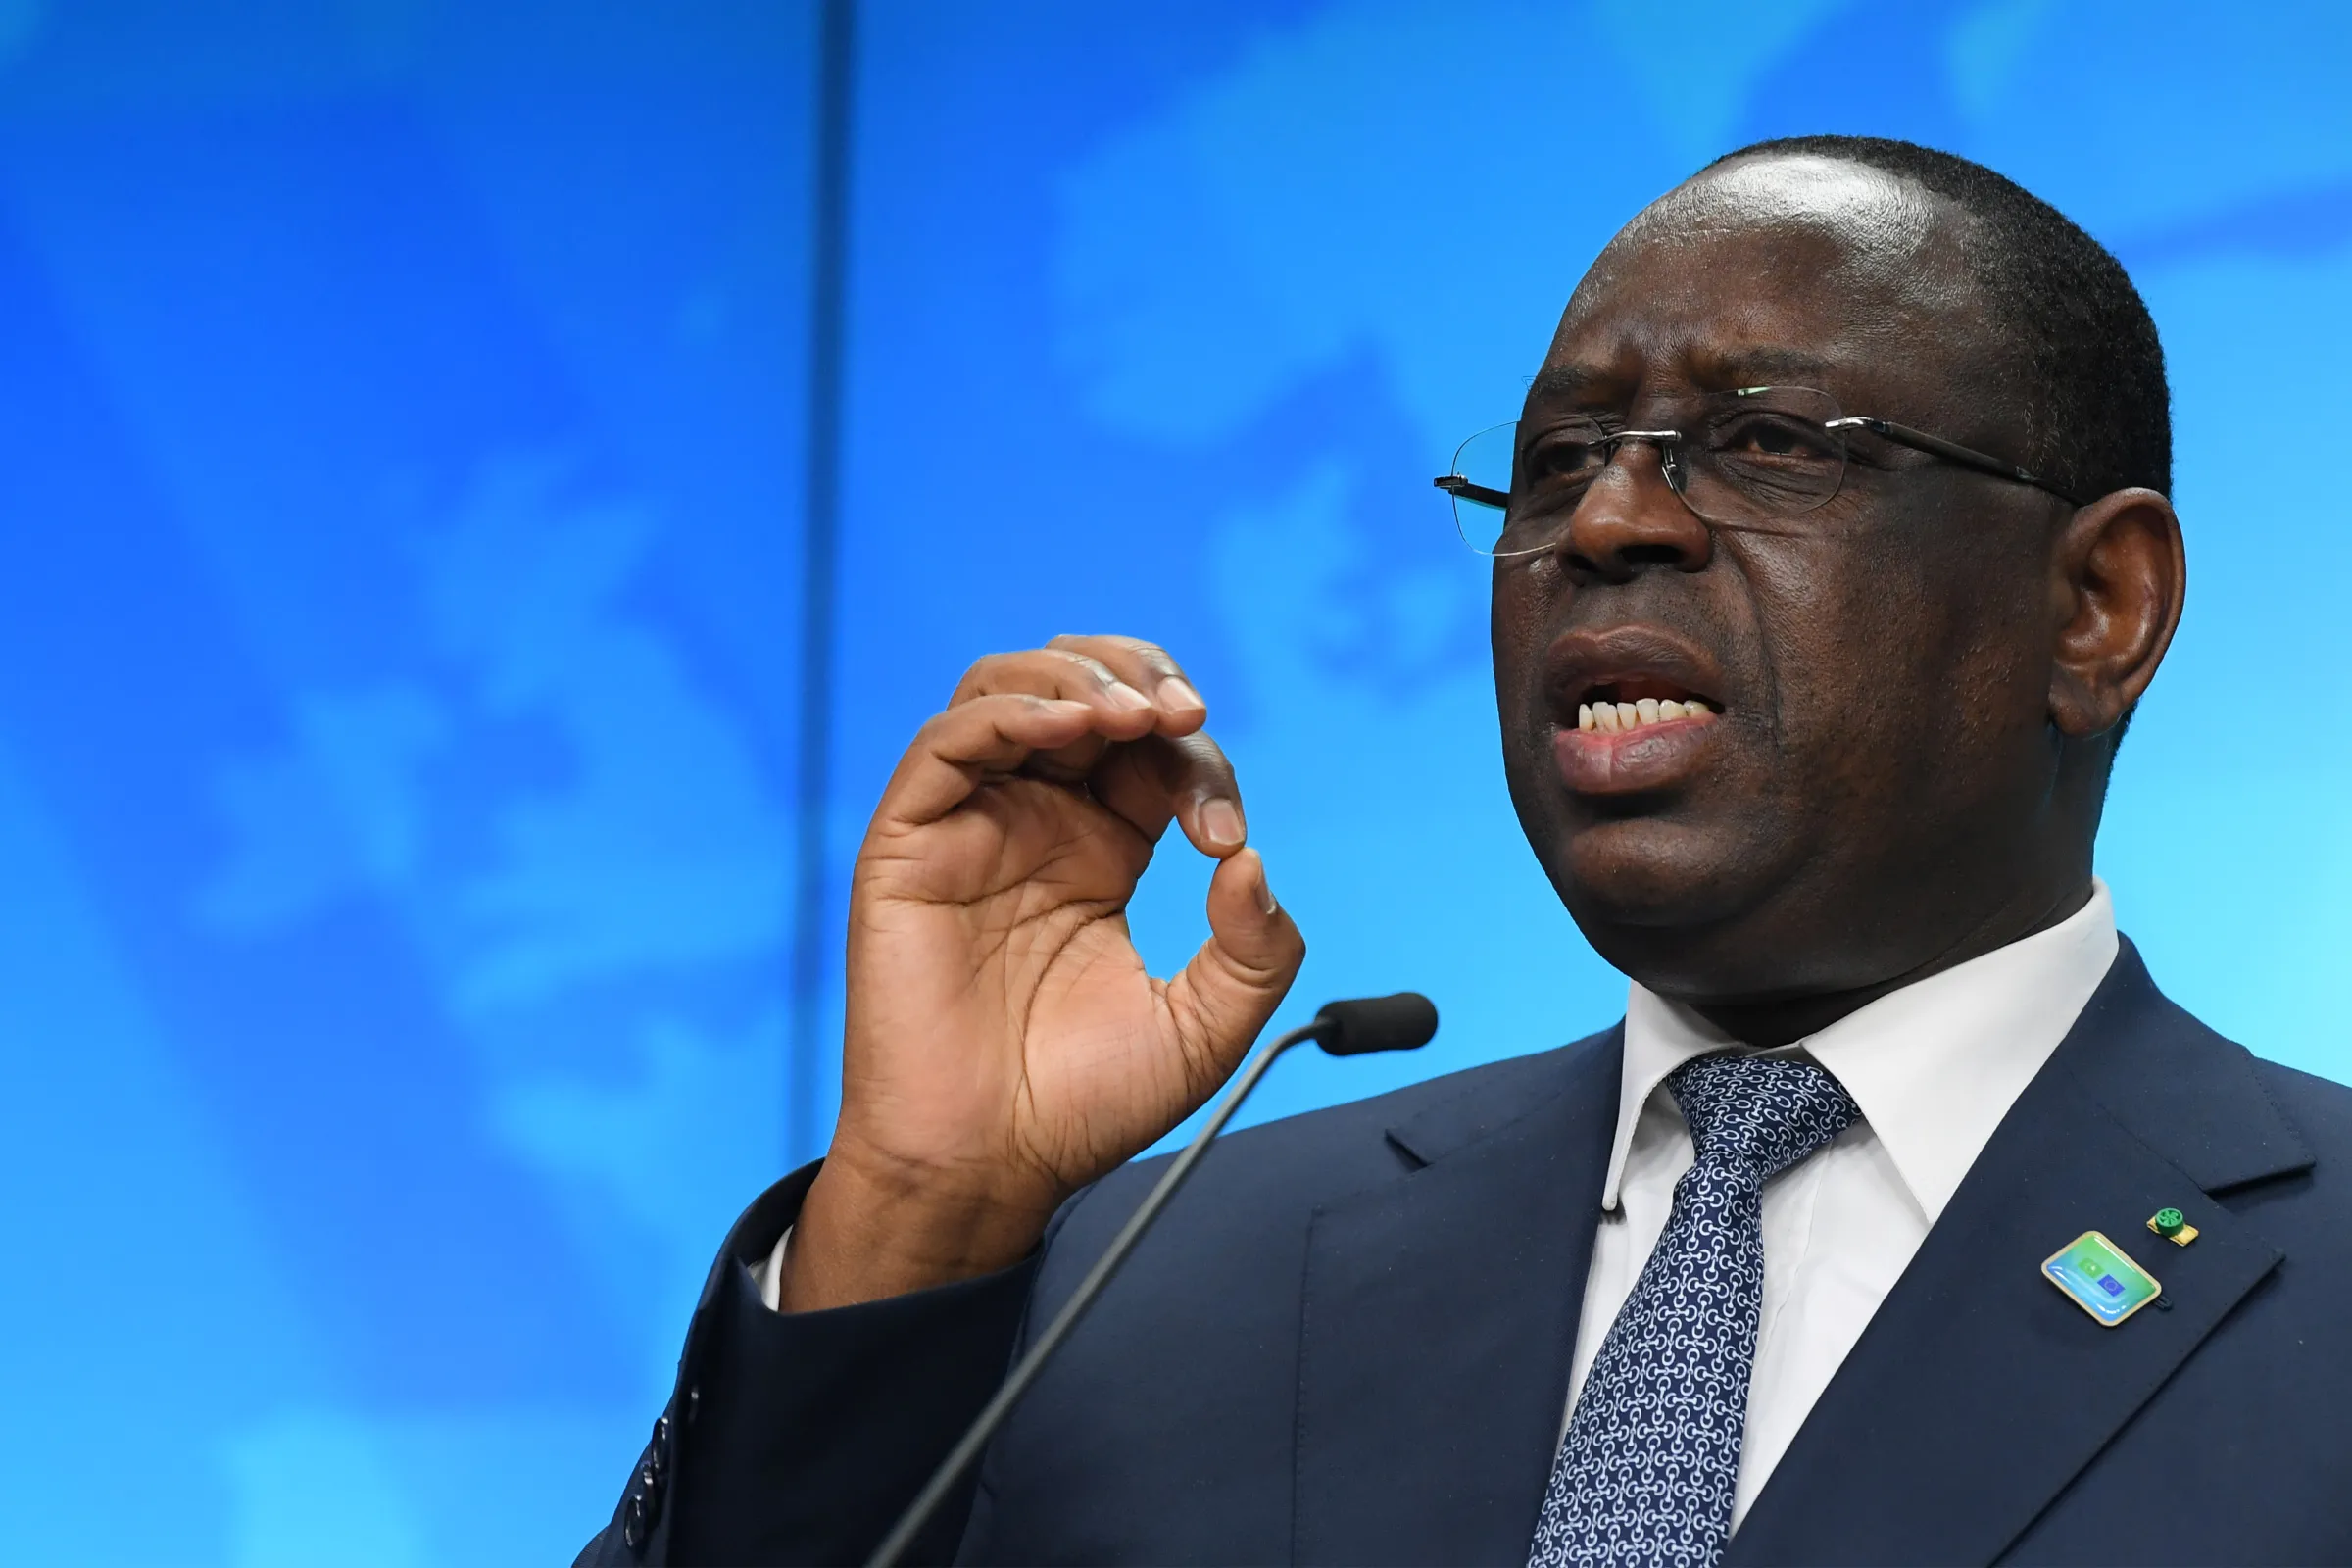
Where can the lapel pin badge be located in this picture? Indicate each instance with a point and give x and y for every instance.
(2097, 1277)
(2172, 1226)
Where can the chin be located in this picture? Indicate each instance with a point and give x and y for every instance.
(1674, 904)
(1666, 887)
(1655, 874)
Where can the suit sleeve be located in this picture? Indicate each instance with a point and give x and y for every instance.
(799, 1437)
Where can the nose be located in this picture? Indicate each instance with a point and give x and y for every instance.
(1630, 519)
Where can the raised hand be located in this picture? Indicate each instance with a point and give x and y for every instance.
(1003, 1042)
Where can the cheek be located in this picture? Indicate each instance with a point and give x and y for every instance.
(1824, 628)
(1898, 675)
(1520, 612)
(1999, 681)
(1976, 649)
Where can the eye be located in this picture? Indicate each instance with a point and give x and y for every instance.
(1565, 455)
(1775, 437)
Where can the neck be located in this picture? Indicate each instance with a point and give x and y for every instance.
(1784, 1020)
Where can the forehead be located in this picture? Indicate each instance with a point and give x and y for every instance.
(1778, 269)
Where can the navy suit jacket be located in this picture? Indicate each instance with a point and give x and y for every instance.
(1349, 1342)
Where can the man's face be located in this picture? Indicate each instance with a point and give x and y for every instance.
(1879, 765)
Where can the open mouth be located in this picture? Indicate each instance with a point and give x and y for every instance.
(1612, 707)
(1646, 705)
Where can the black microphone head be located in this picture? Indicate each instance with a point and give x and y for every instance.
(1401, 1022)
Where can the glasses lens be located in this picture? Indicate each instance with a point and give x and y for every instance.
(1763, 452)
(1480, 486)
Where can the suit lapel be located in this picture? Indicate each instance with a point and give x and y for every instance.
(1440, 1316)
(1979, 1391)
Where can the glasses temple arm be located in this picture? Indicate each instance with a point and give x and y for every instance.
(1953, 452)
(1454, 484)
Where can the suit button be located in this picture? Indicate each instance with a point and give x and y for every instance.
(694, 1403)
(633, 1522)
(648, 1486)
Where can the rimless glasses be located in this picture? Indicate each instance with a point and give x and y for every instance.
(1759, 454)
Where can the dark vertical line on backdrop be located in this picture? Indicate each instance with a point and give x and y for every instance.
(820, 553)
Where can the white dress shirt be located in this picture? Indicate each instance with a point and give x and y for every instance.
(1933, 1068)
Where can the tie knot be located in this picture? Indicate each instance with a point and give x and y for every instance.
(1764, 1113)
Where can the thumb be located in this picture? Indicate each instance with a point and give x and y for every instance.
(1241, 974)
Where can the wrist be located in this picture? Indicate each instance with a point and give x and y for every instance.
(873, 1228)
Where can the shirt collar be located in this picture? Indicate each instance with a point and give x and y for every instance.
(1933, 1066)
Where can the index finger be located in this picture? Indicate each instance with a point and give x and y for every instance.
(959, 750)
(1148, 668)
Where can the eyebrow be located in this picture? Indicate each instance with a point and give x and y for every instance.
(1755, 367)
(1559, 381)
(1767, 366)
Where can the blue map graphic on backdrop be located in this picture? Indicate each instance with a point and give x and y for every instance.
(402, 437)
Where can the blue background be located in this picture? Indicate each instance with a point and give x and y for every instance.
(402, 439)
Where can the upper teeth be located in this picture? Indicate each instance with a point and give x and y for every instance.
(1610, 716)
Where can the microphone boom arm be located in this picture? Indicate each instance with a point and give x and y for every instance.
(1352, 1028)
(966, 1453)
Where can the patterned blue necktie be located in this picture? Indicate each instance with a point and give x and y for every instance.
(1645, 1473)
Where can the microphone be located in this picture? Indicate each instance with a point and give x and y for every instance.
(1404, 1021)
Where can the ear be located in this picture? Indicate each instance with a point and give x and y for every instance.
(2119, 577)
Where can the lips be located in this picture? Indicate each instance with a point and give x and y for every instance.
(1635, 709)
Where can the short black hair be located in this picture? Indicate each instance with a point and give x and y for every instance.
(2099, 416)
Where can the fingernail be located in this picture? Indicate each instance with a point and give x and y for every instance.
(1179, 693)
(1221, 821)
(1265, 892)
(1126, 695)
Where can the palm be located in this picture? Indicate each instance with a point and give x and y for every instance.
(1002, 933)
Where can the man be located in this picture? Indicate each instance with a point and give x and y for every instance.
(1902, 1219)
